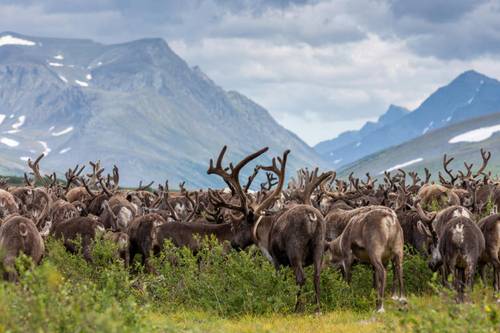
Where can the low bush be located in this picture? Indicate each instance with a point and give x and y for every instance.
(441, 313)
(66, 293)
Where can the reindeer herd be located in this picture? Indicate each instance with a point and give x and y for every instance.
(316, 219)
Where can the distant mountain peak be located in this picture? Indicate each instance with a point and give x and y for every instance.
(136, 104)
(471, 76)
(470, 95)
(393, 113)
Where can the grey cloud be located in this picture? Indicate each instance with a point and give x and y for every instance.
(332, 60)
(464, 32)
(434, 10)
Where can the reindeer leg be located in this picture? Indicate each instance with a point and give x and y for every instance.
(380, 276)
(397, 266)
(481, 270)
(496, 274)
(347, 268)
(447, 269)
(469, 277)
(300, 279)
(10, 273)
(460, 283)
(318, 259)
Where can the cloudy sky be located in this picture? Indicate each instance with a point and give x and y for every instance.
(320, 66)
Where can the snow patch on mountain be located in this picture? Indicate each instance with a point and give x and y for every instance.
(9, 142)
(64, 131)
(476, 135)
(403, 165)
(81, 83)
(65, 150)
(20, 122)
(428, 127)
(14, 131)
(11, 40)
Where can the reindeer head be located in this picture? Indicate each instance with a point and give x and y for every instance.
(244, 214)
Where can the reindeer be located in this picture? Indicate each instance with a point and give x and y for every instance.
(458, 244)
(294, 237)
(19, 235)
(84, 228)
(8, 204)
(142, 233)
(490, 227)
(372, 236)
(461, 244)
(416, 233)
(237, 232)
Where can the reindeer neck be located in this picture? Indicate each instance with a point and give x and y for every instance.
(261, 230)
(222, 232)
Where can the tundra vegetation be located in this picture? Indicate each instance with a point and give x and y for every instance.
(315, 253)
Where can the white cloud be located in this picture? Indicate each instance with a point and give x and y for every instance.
(339, 83)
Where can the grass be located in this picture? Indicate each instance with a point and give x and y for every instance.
(209, 292)
(339, 321)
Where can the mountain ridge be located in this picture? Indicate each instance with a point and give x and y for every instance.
(469, 95)
(136, 104)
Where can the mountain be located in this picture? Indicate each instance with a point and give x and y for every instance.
(327, 148)
(468, 96)
(461, 140)
(136, 104)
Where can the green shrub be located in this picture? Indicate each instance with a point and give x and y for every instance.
(441, 313)
(66, 293)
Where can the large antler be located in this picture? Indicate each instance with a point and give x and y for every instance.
(72, 176)
(96, 173)
(232, 177)
(35, 167)
(280, 173)
(251, 178)
(271, 181)
(312, 180)
(145, 187)
(414, 178)
(427, 177)
(370, 182)
(116, 180)
(446, 163)
(424, 216)
(486, 155)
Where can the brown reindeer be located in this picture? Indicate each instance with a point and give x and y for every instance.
(460, 245)
(490, 226)
(292, 238)
(19, 235)
(142, 232)
(8, 204)
(69, 231)
(374, 237)
(237, 232)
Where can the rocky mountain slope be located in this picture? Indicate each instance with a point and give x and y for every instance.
(135, 104)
